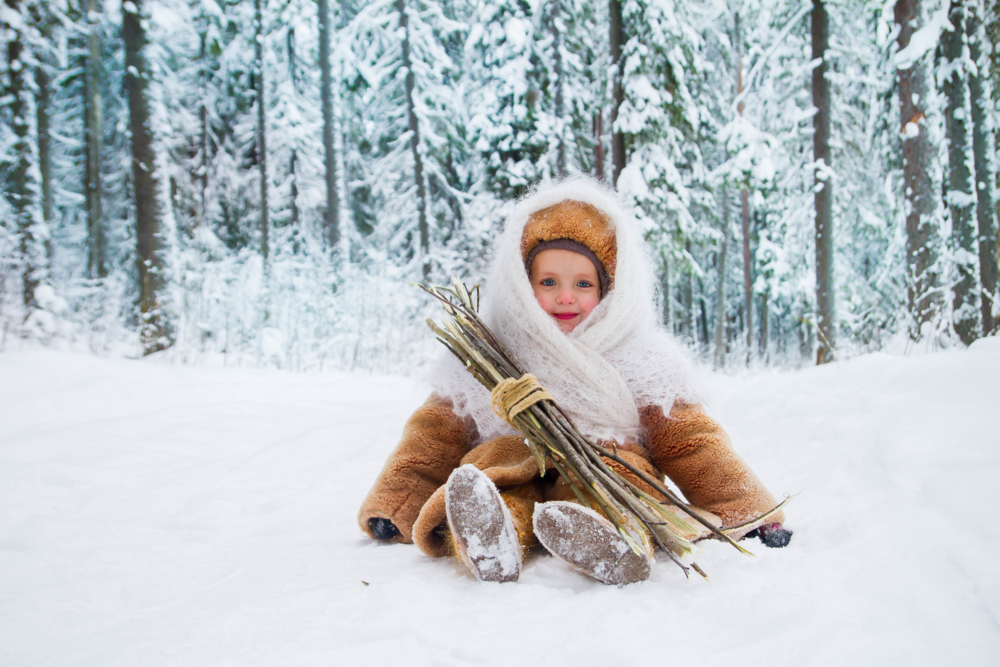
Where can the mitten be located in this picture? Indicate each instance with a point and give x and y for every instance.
(772, 535)
(382, 529)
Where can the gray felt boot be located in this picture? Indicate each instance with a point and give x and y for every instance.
(482, 526)
(589, 543)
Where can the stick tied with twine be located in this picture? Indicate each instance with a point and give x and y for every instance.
(513, 396)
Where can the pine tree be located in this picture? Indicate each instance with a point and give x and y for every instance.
(260, 104)
(331, 215)
(93, 131)
(918, 153)
(44, 19)
(616, 41)
(961, 196)
(509, 129)
(405, 76)
(154, 332)
(984, 163)
(826, 323)
(22, 190)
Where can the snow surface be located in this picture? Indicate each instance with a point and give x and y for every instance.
(175, 515)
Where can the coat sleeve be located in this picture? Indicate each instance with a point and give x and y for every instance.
(434, 441)
(695, 453)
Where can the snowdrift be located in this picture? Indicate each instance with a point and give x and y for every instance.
(175, 515)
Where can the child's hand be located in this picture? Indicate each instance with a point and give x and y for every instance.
(382, 529)
(772, 535)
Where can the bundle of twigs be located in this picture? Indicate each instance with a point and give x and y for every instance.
(640, 518)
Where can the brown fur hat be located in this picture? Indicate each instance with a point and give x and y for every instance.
(575, 221)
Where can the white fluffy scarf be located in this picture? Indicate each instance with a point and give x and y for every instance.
(615, 361)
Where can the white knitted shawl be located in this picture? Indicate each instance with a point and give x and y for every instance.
(615, 361)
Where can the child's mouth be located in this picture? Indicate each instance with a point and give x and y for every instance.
(564, 316)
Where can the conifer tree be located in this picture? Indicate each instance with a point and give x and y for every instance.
(331, 214)
(826, 323)
(921, 224)
(154, 331)
(961, 196)
(509, 129)
(22, 190)
(984, 162)
(92, 137)
(405, 74)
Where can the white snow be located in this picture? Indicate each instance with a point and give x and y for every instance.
(175, 515)
(924, 39)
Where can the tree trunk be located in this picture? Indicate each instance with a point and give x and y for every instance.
(720, 287)
(702, 316)
(744, 204)
(293, 162)
(961, 197)
(764, 333)
(554, 17)
(992, 24)
(599, 145)
(203, 123)
(418, 163)
(747, 271)
(93, 129)
(22, 189)
(617, 37)
(294, 220)
(261, 126)
(921, 253)
(43, 21)
(154, 333)
(984, 159)
(331, 215)
(42, 111)
(687, 295)
(826, 315)
(665, 287)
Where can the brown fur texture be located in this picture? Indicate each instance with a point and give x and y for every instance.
(695, 453)
(521, 500)
(434, 441)
(505, 460)
(578, 222)
(689, 447)
(511, 467)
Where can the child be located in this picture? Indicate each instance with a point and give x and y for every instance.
(571, 295)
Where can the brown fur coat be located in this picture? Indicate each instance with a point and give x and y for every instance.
(689, 447)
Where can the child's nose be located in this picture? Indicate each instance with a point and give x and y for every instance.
(565, 295)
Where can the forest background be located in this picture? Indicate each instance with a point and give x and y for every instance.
(255, 182)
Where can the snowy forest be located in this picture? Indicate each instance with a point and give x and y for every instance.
(257, 182)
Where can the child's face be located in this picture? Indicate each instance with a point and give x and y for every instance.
(566, 286)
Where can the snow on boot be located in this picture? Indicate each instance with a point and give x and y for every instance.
(482, 526)
(589, 543)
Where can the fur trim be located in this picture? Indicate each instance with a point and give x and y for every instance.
(576, 221)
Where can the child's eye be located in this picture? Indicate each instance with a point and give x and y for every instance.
(584, 284)
(548, 282)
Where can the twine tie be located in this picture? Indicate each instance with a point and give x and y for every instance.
(513, 396)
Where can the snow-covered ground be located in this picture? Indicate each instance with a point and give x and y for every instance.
(163, 515)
